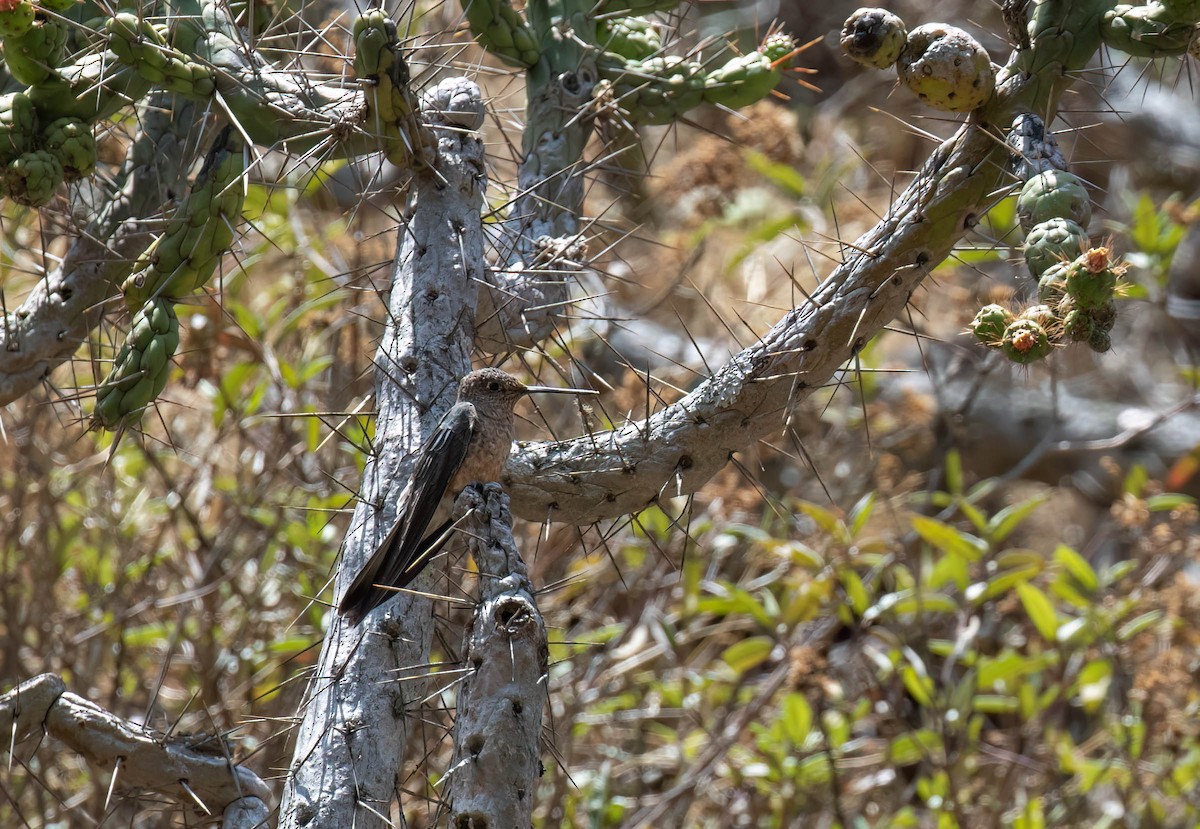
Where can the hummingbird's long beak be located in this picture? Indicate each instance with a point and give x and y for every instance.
(557, 390)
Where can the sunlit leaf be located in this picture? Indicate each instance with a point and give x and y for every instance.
(1040, 609)
(748, 653)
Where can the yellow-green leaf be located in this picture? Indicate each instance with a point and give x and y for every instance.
(1040, 609)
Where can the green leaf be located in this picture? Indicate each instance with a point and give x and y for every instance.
(748, 653)
(954, 473)
(1040, 610)
(1168, 501)
(919, 685)
(1138, 625)
(948, 539)
(1078, 567)
(914, 747)
(995, 704)
(860, 513)
(1135, 480)
(814, 771)
(797, 718)
(783, 176)
(856, 592)
(1093, 684)
(826, 520)
(1011, 517)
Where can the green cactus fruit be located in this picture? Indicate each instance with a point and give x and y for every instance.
(633, 38)
(946, 68)
(1025, 341)
(34, 56)
(72, 143)
(1053, 241)
(749, 78)
(989, 324)
(874, 37)
(1091, 279)
(18, 125)
(16, 16)
(1054, 194)
(1052, 286)
(141, 368)
(31, 178)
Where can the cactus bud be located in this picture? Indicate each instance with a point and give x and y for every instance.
(1053, 241)
(1092, 278)
(874, 37)
(1025, 341)
(1054, 194)
(72, 143)
(989, 324)
(31, 178)
(946, 68)
(1052, 286)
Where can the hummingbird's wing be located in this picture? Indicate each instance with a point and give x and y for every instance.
(411, 541)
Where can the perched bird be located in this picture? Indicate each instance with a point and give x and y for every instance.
(469, 445)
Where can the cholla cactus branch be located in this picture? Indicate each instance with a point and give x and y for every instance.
(62, 308)
(500, 701)
(43, 706)
(353, 737)
(572, 81)
(679, 448)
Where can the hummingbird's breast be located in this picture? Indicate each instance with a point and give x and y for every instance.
(491, 441)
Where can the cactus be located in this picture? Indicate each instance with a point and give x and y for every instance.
(32, 177)
(1054, 194)
(1151, 31)
(874, 37)
(658, 90)
(750, 78)
(1034, 148)
(384, 74)
(989, 324)
(140, 370)
(1053, 241)
(1052, 285)
(33, 56)
(632, 38)
(182, 259)
(500, 29)
(18, 125)
(1025, 341)
(16, 16)
(1091, 279)
(72, 143)
(946, 68)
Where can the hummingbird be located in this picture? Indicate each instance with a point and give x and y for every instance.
(470, 444)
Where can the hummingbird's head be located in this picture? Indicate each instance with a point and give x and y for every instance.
(491, 387)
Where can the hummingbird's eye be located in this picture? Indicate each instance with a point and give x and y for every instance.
(494, 385)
